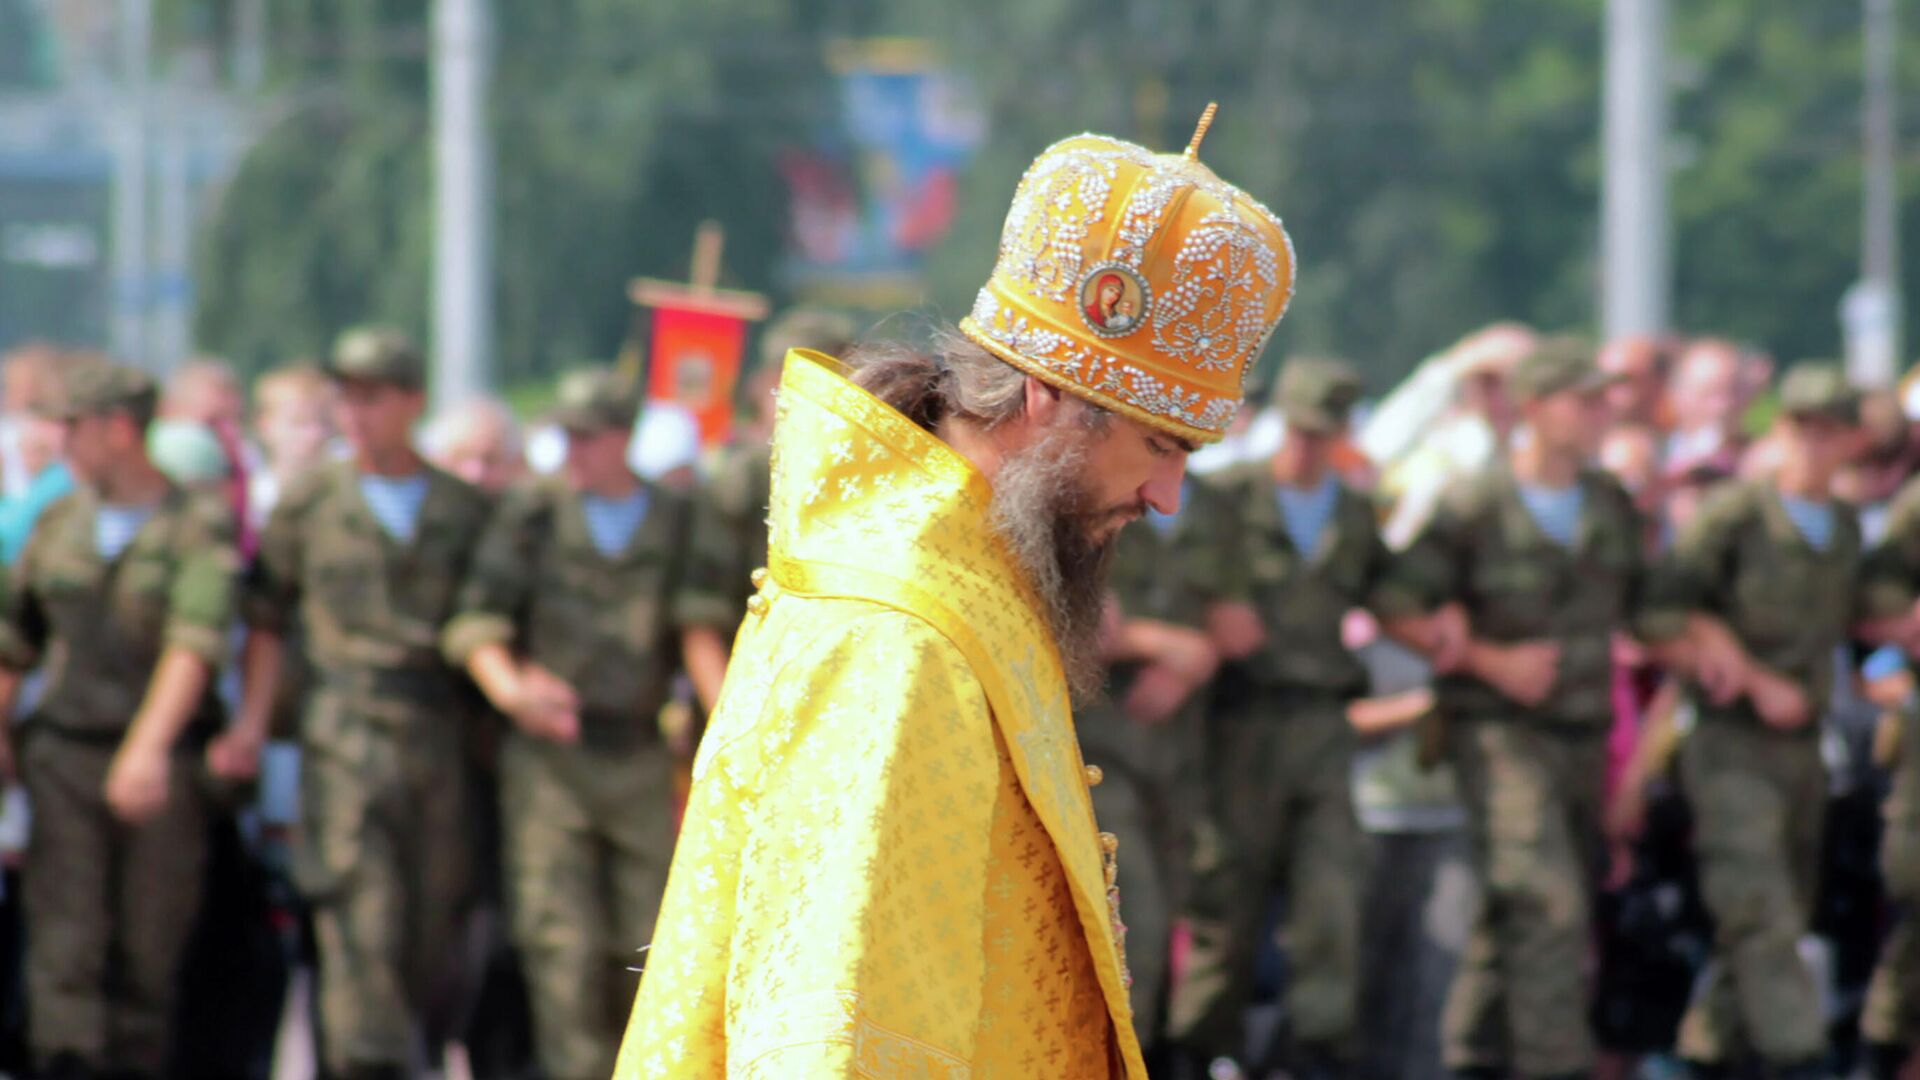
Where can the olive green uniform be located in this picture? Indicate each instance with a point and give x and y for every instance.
(1890, 584)
(1758, 794)
(109, 905)
(589, 826)
(382, 851)
(1891, 1015)
(1149, 788)
(1530, 778)
(732, 504)
(1280, 756)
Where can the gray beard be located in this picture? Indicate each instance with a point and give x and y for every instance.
(1043, 511)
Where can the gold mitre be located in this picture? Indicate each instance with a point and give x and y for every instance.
(1139, 281)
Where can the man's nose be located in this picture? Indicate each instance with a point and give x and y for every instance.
(1162, 489)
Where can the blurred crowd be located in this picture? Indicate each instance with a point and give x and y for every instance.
(1548, 714)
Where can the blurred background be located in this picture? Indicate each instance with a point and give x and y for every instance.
(246, 177)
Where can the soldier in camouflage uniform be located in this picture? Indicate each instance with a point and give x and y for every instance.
(1298, 550)
(368, 555)
(1144, 740)
(1535, 563)
(1890, 585)
(126, 591)
(1752, 601)
(567, 621)
(1890, 1020)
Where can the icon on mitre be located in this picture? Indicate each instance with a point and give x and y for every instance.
(1113, 300)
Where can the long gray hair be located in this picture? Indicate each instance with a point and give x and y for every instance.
(949, 378)
(1041, 499)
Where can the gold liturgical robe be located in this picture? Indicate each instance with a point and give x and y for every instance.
(889, 865)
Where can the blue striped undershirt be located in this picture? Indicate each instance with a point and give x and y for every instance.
(395, 502)
(611, 523)
(114, 527)
(1555, 510)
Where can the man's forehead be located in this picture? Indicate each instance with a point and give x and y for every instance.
(1148, 431)
(371, 387)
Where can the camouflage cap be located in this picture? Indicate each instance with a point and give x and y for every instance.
(1819, 389)
(595, 399)
(1557, 364)
(96, 387)
(1316, 394)
(377, 354)
(806, 327)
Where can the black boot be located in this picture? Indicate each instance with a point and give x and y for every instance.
(67, 1065)
(1885, 1060)
(1805, 1070)
(1318, 1063)
(1709, 1070)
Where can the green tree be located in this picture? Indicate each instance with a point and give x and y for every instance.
(617, 127)
(1437, 163)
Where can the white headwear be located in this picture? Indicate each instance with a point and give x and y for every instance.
(666, 437)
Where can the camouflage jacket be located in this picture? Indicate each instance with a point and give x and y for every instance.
(1302, 597)
(732, 506)
(1742, 560)
(1890, 570)
(101, 625)
(1483, 550)
(370, 606)
(604, 624)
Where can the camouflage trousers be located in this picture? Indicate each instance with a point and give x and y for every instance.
(1279, 817)
(383, 856)
(1891, 1014)
(1144, 799)
(109, 907)
(1533, 798)
(1892, 1011)
(589, 838)
(1759, 800)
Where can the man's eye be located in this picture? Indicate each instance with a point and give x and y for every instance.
(1159, 448)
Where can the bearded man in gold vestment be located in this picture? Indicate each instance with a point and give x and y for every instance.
(889, 864)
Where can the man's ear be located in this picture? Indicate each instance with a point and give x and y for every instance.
(1043, 402)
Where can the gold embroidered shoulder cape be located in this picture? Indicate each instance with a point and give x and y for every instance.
(889, 865)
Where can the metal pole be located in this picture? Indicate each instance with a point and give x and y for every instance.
(130, 287)
(1635, 254)
(462, 258)
(170, 290)
(1873, 345)
(250, 45)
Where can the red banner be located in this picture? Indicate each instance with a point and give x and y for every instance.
(695, 361)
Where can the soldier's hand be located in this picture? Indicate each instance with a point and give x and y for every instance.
(1714, 658)
(1492, 349)
(547, 708)
(235, 754)
(1157, 693)
(1720, 671)
(1235, 629)
(1190, 654)
(1781, 703)
(137, 783)
(1525, 671)
(1449, 637)
(9, 771)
